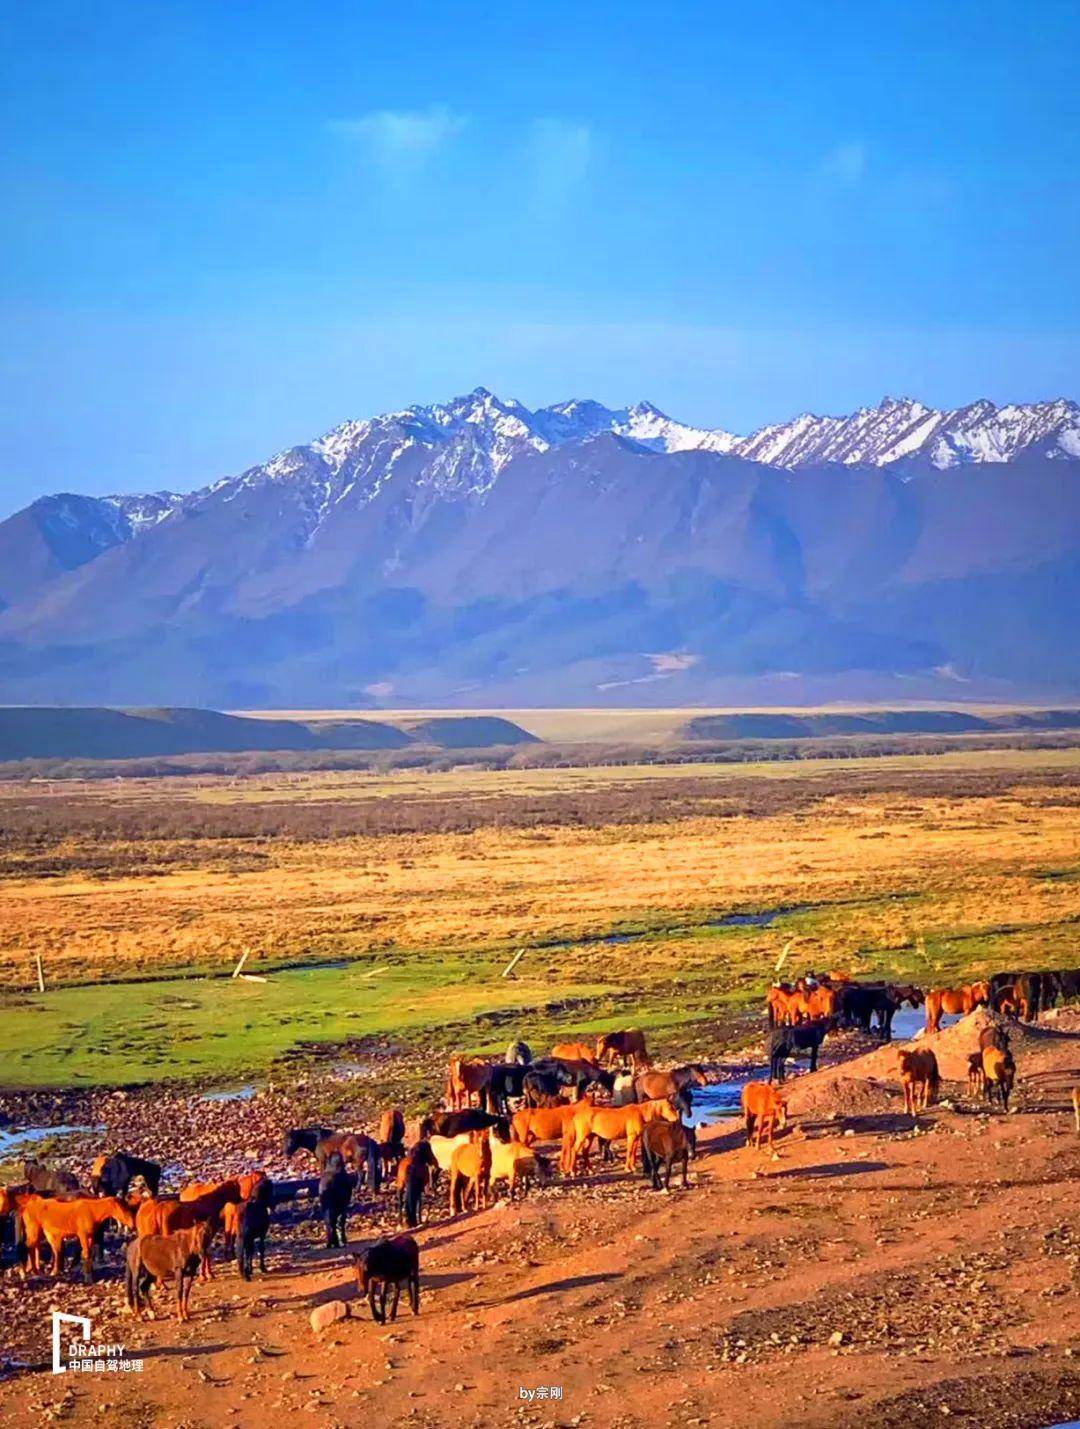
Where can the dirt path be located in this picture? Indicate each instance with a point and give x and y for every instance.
(863, 1273)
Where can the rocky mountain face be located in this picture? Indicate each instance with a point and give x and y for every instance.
(480, 552)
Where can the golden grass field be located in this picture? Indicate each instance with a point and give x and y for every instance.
(928, 867)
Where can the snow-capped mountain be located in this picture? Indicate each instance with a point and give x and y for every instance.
(478, 550)
(899, 428)
(460, 447)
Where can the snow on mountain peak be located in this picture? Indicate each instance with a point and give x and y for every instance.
(458, 449)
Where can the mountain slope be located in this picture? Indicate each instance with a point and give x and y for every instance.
(475, 549)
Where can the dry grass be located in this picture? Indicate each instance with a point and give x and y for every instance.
(312, 867)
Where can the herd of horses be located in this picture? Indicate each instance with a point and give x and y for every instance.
(503, 1122)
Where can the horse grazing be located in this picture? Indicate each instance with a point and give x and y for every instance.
(113, 1175)
(78, 1219)
(920, 1079)
(662, 1144)
(417, 1170)
(470, 1173)
(393, 1262)
(677, 1084)
(764, 1111)
(364, 1152)
(999, 1071)
(785, 1042)
(955, 1000)
(621, 1047)
(304, 1138)
(153, 1259)
(452, 1123)
(336, 1188)
(49, 1183)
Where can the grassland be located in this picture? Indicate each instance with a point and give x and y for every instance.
(140, 896)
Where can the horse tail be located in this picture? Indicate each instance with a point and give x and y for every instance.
(374, 1165)
(131, 1280)
(413, 1197)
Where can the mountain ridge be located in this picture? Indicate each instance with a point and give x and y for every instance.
(444, 551)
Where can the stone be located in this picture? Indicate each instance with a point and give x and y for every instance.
(325, 1315)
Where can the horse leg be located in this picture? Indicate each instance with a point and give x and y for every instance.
(394, 1302)
(57, 1248)
(86, 1242)
(414, 1291)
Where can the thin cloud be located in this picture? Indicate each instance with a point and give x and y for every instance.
(845, 165)
(401, 140)
(561, 152)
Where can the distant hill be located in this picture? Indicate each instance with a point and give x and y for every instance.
(32, 732)
(823, 724)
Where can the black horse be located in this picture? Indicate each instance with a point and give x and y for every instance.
(549, 1076)
(305, 1138)
(336, 1186)
(418, 1169)
(785, 1042)
(453, 1123)
(252, 1230)
(507, 1080)
(120, 1170)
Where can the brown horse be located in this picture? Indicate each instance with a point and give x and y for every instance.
(650, 1086)
(611, 1123)
(574, 1051)
(920, 1079)
(764, 1112)
(626, 1046)
(955, 1000)
(155, 1258)
(247, 1183)
(78, 1219)
(164, 1215)
(470, 1173)
(542, 1123)
(467, 1078)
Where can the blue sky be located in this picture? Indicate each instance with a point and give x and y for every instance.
(230, 227)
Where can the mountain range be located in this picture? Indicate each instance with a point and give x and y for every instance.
(478, 553)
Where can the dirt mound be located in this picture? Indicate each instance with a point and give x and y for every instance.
(835, 1092)
(870, 1084)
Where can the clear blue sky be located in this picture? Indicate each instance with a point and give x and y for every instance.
(229, 227)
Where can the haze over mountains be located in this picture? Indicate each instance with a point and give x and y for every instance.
(478, 553)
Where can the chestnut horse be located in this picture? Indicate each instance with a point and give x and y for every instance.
(77, 1219)
(956, 1000)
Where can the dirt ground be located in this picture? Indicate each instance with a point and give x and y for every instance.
(865, 1272)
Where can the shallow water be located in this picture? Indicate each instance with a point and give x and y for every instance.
(910, 1021)
(757, 920)
(719, 1101)
(14, 1142)
(230, 1094)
